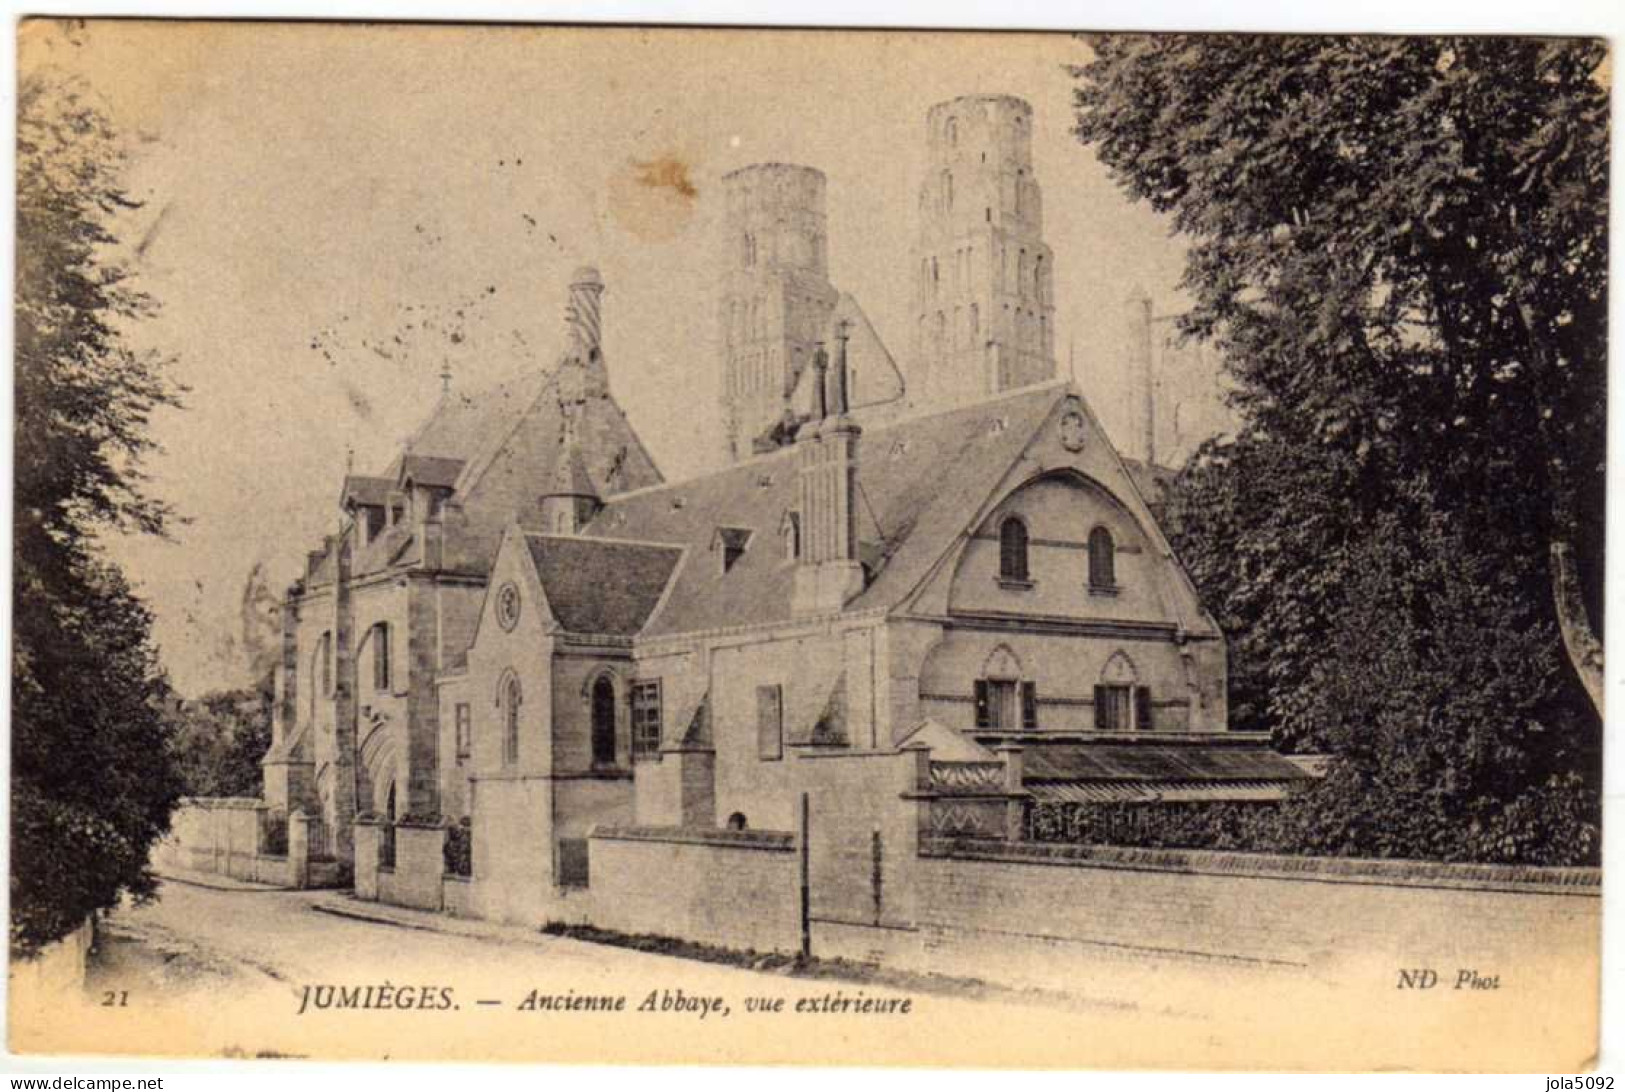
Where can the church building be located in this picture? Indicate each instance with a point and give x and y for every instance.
(519, 627)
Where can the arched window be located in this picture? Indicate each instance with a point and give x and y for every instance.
(380, 656)
(511, 699)
(948, 190)
(953, 131)
(1013, 550)
(1102, 560)
(975, 323)
(750, 250)
(603, 722)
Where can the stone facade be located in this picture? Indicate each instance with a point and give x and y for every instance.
(377, 632)
(908, 617)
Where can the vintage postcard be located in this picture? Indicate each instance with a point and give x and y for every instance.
(635, 545)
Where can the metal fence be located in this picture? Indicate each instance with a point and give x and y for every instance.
(321, 845)
(274, 834)
(459, 849)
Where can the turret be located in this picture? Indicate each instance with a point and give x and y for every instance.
(828, 574)
(572, 500)
(984, 319)
(776, 296)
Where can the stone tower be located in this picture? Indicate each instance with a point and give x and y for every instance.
(984, 303)
(776, 296)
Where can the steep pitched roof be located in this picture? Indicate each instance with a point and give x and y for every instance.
(372, 492)
(570, 476)
(1146, 762)
(601, 585)
(435, 470)
(498, 448)
(464, 421)
(906, 517)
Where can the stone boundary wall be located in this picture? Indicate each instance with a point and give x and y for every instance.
(58, 971)
(1469, 877)
(739, 839)
(737, 889)
(1023, 913)
(224, 835)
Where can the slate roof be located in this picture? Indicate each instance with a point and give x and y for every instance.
(906, 518)
(477, 443)
(373, 492)
(1155, 762)
(465, 421)
(570, 476)
(602, 586)
(435, 470)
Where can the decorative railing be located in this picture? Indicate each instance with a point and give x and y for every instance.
(458, 849)
(967, 777)
(320, 839)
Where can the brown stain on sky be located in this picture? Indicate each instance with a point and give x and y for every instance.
(667, 171)
(654, 199)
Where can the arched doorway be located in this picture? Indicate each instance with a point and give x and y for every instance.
(603, 722)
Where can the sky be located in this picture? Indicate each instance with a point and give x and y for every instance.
(336, 214)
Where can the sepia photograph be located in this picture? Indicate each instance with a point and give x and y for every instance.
(635, 545)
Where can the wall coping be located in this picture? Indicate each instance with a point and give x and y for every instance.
(245, 803)
(1530, 879)
(775, 840)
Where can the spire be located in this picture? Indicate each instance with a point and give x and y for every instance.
(571, 499)
(820, 408)
(843, 400)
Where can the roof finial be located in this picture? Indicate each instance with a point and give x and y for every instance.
(843, 332)
(820, 408)
(349, 460)
(445, 375)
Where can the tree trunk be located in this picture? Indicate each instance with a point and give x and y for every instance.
(1585, 651)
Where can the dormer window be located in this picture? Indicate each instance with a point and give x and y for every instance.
(730, 543)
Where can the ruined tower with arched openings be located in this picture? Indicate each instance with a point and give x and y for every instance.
(776, 296)
(984, 301)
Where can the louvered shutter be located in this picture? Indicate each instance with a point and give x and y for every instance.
(1142, 709)
(1100, 708)
(1029, 705)
(984, 716)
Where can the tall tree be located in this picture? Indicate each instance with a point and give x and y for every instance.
(1400, 244)
(93, 781)
(1400, 247)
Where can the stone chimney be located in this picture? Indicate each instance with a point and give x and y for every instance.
(581, 373)
(828, 573)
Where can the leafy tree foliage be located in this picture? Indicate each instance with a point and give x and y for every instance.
(1400, 247)
(92, 777)
(219, 739)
